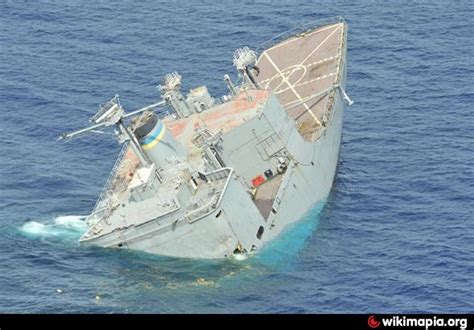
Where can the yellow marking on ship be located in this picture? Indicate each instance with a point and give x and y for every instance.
(153, 143)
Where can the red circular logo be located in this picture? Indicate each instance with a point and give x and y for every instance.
(373, 322)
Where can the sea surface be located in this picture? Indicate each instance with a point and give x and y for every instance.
(395, 235)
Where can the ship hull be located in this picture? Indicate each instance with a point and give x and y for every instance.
(232, 227)
(289, 127)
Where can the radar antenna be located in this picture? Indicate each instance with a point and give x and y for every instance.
(171, 93)
(112, 114)
(244, 60)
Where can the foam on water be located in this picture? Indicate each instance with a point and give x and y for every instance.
(239, 257)
(73, 222)
(68, 226)
(35, 228)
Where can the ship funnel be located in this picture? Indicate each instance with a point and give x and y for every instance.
(156, 140)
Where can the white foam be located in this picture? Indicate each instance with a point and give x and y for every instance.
(239, 256)
(76, 222)
(68, 226)
(35, 228)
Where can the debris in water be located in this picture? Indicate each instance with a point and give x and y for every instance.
(204, 282)
(59, 291)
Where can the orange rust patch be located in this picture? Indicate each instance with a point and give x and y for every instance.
(177, 126)
(127, 171)
(225, 116)
(228, 113)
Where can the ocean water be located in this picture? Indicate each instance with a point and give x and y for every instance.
(395, 235)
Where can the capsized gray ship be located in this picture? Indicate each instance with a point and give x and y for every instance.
(214, 178)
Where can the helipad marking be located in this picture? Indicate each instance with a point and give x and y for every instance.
(322, 43)
(308, 81)
(327, 59)
(288, 72)
(292, 88)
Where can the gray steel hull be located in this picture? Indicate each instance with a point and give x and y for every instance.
(291, 131)
(307, 182)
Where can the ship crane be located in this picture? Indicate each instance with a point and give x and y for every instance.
(112, 114)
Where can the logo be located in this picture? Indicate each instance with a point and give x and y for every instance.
(373, 322)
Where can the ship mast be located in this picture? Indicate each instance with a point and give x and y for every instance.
(112, 114)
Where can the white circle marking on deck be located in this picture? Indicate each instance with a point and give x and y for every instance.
(286, 74)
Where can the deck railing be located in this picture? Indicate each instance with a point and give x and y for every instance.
(213, 203)
(110, 185)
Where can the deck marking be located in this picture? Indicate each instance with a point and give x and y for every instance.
(297, 38)
(292, 88)
(327, 59)
(322, 43)
(308, 98)
(288, 72)
(308, 81)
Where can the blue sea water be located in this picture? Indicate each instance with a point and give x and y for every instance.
(396, 234)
